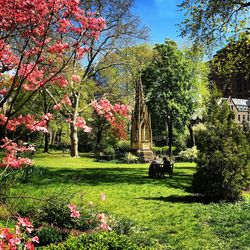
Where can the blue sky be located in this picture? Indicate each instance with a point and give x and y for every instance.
(161, 16)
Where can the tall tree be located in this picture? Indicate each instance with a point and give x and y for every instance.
(209, 22)
(38, 39)
(222, 169)
(199, 90)
(167, 82)
(122, 28)
(229, 68)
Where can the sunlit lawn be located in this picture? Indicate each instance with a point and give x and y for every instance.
(163, 207)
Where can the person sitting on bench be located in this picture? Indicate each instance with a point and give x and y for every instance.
(167, 167)
(152, 168)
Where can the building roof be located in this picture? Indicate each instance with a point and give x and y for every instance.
(241, 102)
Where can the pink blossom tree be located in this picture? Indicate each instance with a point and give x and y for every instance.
(121, 29)
(38, 40)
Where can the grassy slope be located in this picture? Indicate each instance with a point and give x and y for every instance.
(163, 206)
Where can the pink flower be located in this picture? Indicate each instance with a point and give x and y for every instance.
(29, 246)
(76, 78)
(87, 129)
(35, 239)
(71, 206)
(57, 106)
(3, 92)
(103, 226)
(66, 100)
(24, 222)
(14, 241)
(101, 217)
(74, 213)
(58, 48)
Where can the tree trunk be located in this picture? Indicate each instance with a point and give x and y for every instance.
(191, 133)
(98, 141)
(41, 143)
(46, 135)
(46, 143)
(73, 129)
(170, 136)
(60, 136)
(73, 141)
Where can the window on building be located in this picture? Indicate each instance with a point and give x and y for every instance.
(232, 107)
(248, 118)
(239, 118)
(243, 117)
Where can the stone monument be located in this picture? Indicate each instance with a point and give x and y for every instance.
(141, 132)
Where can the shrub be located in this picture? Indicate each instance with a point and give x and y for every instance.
(48, 235)
(122, 225)
(222, 162)
(55, 212)
(190, 154)
(97, 241)
(156, 150)
(130, 158)
(162, 150)
(123, 146)
(200, 132)
(109, 150)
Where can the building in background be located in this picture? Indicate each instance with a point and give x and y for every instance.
(241, 109)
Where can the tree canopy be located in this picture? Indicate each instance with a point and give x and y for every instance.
(230, 66)
(209, 22)
(167, 82)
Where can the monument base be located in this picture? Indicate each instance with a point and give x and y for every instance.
(145, 155)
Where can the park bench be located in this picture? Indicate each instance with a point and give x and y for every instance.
(157, 170)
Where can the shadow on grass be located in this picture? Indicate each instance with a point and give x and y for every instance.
(193, 168)
(180, 199)
(110, 176)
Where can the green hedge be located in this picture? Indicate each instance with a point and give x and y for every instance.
(97, 241)
(162, 149)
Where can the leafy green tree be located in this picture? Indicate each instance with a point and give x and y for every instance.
(199, 87)
(222, 169)
(209, 22)
(167, 82)
(230, 66)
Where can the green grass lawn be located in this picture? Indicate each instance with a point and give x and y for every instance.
(163, 207)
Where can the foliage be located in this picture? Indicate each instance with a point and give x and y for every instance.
(200, 133)
(209, 22)
(10, 178)
(123, 146)
(21, 237)
(190, 154)
(167, 82)
(231, 63)
(98, 241)
(162, 150)
(130, 194)
(122, 28)
(130, 158)
(48, 235)
(122, 225)
(55, 212)
(222, 162)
